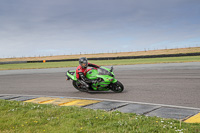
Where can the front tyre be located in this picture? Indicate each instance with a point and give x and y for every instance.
(117, 87)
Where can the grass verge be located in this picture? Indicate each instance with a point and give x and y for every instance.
(101, 62)
(28, 117)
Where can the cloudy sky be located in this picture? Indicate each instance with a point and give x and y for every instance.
(57, 27)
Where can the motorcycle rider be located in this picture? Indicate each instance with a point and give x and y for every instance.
(82, 70)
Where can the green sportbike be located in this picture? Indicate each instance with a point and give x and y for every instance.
(105, 80)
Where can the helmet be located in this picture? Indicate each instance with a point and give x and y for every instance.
(83, 62)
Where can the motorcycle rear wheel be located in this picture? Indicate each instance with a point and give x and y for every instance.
(117, 87)
(78, 86)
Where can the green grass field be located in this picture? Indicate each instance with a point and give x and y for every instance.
(21, 117)
(101, 63)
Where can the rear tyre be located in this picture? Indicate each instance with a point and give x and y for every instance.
(117, 87)
(78, 86)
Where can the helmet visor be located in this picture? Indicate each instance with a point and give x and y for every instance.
(84, 65)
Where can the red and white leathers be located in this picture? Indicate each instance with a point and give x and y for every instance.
(81, 72)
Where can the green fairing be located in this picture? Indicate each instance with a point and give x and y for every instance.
(102, 85)
(114, 81)
(73, 77)
(94, 74)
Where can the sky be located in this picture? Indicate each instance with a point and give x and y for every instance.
(30, 28)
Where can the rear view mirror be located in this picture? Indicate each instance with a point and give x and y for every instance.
(111, 70)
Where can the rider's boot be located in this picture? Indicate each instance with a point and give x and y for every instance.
(85, 85)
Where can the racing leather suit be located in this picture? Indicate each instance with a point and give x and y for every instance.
(81, 74)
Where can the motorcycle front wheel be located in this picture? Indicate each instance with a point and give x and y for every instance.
(117, 87)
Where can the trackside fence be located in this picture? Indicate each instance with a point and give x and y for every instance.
(108, 58)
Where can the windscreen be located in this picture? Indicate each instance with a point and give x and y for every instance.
(103, 72)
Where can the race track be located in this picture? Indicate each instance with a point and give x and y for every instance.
(171, 84)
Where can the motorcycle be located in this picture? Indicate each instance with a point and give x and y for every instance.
(105, 80)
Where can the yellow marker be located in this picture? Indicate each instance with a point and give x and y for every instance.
(42, 100)
(61, 101)
(194, 119)
(80, 102)
(44, 61)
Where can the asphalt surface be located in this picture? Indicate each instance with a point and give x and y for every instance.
(172, 84)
